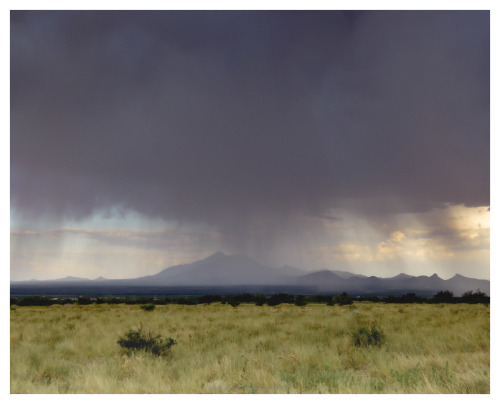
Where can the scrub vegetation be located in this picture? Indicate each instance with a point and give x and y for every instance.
(364, 347)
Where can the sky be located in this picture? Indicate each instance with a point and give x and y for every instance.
(348, 140)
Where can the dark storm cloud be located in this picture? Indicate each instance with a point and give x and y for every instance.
(229, 118)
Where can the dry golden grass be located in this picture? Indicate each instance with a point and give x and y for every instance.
(251, 349)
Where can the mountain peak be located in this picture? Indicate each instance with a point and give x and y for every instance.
(402, 275)
(71, 279)
(218, 254)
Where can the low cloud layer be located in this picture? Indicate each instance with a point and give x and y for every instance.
(248, 120)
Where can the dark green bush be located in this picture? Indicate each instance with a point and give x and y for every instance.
(475, 297)
(368, 337)
(35, 301)
(148, 307)
(208, 299)
(300, 300)
(83, 300)
(411, 298)
(321, 299)
(443, 296)
(233, 302)
(260, 299)
(146, 341)
(280, 298)
(343, 299)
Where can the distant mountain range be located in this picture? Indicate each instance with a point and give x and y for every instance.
(226, 271)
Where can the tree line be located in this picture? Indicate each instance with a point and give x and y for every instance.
(444, 296)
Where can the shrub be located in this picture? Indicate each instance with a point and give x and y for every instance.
(300, 300)
(35, 301)
(187, 301)
(83, 300)
(208, 299)
(475, 297)
(148, 307)
(368, 337)
(443, 296)
(320, 299)
(146, 341)
(234, 302)
(411, 298)
(260, 299)
(279, 298)
(343, 299)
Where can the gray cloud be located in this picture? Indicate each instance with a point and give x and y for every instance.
(148, 239)
(246, 120)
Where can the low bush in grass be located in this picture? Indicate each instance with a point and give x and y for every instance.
(148, 307)
(365, 336)
(137, 340)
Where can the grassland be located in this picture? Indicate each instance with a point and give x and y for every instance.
(251, 349)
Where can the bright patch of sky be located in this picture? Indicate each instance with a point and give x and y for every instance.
(446, 241)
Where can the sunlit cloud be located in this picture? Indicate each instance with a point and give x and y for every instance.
(447, 237)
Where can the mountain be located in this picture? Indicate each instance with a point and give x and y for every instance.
(402, 276)
(462, 284)
(220, 271)
(67, 279)
(345, 274)
(324, 280)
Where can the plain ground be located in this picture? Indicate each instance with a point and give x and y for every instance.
(438, 348)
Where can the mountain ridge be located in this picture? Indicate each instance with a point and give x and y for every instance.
(239, 270)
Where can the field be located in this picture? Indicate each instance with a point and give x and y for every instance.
(439, 348)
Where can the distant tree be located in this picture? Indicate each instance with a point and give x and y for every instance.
(233, 301)
(279, 298)
(343, 299)
(443, 296)
(114, 300)
(35, 301)
(260, 299)
(390, 299)
(475, 297)
(83, 300)
(368, 298)
(185, 300)
(163, 301)
(411, 298)
(300, 300)
(207, 299)
(320, 299)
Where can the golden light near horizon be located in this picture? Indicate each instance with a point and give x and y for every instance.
(444, 240)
